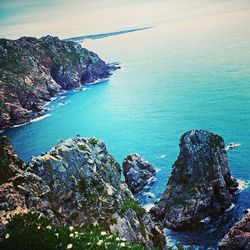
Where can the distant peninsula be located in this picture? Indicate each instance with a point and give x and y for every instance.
(79, 39)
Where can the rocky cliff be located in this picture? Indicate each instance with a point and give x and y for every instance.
(238, 238)
(33, 70)
(77, 183)
(200, 184)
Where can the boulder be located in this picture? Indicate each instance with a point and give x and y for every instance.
(238, 238)
(200, 184)
(137, 172)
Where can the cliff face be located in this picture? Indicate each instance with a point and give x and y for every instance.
(77, 183)
(10, 164)
(33, 70)
(238, 237)
(200, 183)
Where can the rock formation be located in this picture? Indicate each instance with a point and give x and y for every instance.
(200, 184)
(137, 172)
(9, 163)
(33, 70)
(77, 183)
(238, 238)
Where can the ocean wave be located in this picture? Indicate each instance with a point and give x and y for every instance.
(230, 208)
(40, 118)
(62, 104)
(162, 156)
(242, 185)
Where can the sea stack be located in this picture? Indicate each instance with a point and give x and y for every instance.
(200, 184)
(137, 172)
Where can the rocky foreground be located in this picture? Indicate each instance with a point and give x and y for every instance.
(200, 184)
(34, 70)
(77, 183)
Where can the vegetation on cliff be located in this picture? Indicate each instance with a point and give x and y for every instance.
(33, 70)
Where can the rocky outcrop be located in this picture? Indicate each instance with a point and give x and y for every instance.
(77, 183)
(33, 70)
(137, 172)
(10, 164)
(238, 238)
(200, 184)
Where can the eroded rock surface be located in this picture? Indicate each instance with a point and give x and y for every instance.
(137, 172)
(200, 184)
(78, 183)
(33, 70)
(10, 164)
(238, 238)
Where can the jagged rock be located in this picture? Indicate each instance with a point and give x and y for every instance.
(9, 163)
(200, 184)
(238, 238)
(78, 183)
(137, 172)
(33, 70)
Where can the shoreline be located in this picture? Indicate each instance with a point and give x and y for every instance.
(58, 96)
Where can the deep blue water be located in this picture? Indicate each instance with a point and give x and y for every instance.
(175, 77)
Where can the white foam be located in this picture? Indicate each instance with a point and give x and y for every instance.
(231, 207)
(242, 185)
(32, 121)
(149, 194)
(147, 207)
(205, 220)
(62, 103)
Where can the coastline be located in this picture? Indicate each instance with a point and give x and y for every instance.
(60, 95)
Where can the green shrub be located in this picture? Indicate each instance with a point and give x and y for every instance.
(93, 141)
(134, 205)
(33, 231)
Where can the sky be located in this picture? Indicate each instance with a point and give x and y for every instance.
(70, 18)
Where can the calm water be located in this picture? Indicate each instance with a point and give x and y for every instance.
(180, 75)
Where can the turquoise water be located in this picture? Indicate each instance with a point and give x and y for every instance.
(175, 77)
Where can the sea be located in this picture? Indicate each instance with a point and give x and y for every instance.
(180, 74)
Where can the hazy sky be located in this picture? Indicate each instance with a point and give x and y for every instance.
(67, 18)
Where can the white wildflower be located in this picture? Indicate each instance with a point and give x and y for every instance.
(71, 228)
(117, 239)
(69, 246)
(99, 242)
(71, 235)
(103, 233)
(7, 236)
(48, 227)
(122, 244)
(57, 235)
